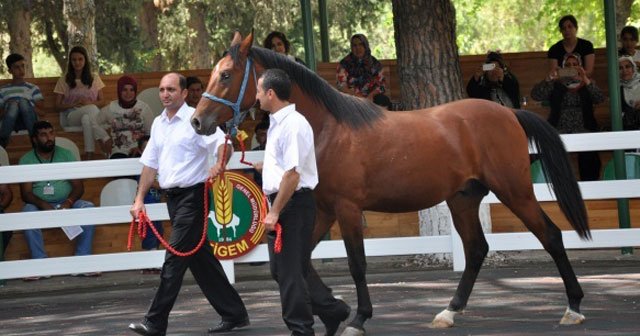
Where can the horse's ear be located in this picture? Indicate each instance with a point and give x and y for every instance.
(246, 44)
(237, 38)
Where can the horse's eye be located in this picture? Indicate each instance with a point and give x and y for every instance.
(225, 76)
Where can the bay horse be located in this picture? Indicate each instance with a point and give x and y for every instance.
(372, 159)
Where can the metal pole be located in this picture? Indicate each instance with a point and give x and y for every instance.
(324, 30)
(614, 106)
(307, 28)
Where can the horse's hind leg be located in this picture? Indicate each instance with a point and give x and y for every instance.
(464, 208)
(534, 218)
(331, 311)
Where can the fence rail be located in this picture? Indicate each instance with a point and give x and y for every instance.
(326, 249)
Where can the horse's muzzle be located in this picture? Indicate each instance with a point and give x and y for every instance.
(204, 127)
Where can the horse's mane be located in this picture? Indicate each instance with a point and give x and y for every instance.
(348, 109)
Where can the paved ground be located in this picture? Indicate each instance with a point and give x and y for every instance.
(522, 295)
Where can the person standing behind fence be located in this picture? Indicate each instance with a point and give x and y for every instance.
(20, 101)
(493, 81)
(571, 44)
(79, 96)
(571, 96)
(52, 194)
(179, 157)
(278, 42)
(289, 175)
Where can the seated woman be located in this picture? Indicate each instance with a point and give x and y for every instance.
(493, 81)
(78, 96)
(629, 41)
(360, 74)
(629, 93)
(571, 95)
(127, 119)
(279, 43)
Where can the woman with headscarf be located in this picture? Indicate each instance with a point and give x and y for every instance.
(493, 81)
(126, 119)
(629, 93)
(360, 74)
(571, 96)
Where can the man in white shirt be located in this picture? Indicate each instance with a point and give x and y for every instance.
(179, 156)
(289, 175)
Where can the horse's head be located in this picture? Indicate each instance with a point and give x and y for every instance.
(231, 88)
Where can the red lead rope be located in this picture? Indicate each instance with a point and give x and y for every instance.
(144, 221)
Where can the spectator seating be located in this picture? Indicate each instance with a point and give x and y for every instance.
(151, 96)
(118, 192)
(64, 123)
(632, 164)
(537, 174)
(4, 157)
(69, 145)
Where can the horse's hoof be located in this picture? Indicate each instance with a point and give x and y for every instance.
(351, 331)
(443, 320)
(570, 318)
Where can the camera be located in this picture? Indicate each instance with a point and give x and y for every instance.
(567, 72)
(488, 66)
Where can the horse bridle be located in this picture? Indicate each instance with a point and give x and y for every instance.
(237, 115)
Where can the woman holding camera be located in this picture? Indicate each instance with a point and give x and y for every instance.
(494, 82)
(571, 96)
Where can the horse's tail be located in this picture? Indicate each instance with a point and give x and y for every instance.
(557, 169)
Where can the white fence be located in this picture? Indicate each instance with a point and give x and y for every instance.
(326, 249)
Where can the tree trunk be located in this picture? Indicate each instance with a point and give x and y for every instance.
(148, 20)
(81, 15)
(198, 36)
(19, 24)
(55, 29)
(623, 10)
(429, 70)
(428, 62)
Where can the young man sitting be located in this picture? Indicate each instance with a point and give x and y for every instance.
(19, 101)
(52, 194)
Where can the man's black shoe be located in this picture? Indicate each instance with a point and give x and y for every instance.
(332, 321)
(146, 330)
(225, 326)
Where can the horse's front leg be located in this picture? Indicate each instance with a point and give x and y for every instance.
(350, 221)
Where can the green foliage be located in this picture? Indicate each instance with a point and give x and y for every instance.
(531, 25)
(118, 36)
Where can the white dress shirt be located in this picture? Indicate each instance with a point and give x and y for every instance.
(289, 145)
(177, 152)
